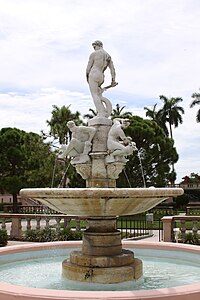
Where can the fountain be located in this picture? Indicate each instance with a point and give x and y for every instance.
(99, 153)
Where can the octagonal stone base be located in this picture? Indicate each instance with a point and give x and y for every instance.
(93, 274)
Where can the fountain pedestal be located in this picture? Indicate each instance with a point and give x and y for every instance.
(102, 259)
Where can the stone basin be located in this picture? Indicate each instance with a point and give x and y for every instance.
(101, 202)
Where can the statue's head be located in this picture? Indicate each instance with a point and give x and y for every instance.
(70, 124)
(125, 123)
(97, 43)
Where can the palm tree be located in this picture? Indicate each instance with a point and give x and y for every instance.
(171, 113)
(90, 115)
(59, 129)
(157, 117)
(196, 101)
(117, 112)
(151, 113)
(58, 123)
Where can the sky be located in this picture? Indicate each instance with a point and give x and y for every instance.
(154, 44)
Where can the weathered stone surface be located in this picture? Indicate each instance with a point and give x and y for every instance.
(100, 251)
(102, 127)
(98, 167)
(85, 170)
(114, 169)
(100, 225)
(101, 238)
(100, 121)
(138, 269)
(101, 201)
(125, 258)
(103, 275)
(98, 182)
(101, 243)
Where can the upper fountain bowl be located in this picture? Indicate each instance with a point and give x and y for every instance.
(100, 202)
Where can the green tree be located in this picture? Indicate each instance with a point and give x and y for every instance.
(171, 112)
(151, 113)
(39, 162)
(60, 131)
(25, 161)
(157, 153)
(90, 115)
(196, 101)
(157, 117)
(58, 123)
(117, 112)
(182, 201)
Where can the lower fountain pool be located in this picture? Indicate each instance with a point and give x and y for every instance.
(31, 268)
(162, 269)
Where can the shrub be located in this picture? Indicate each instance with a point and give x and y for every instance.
(69, 235)
(42, 235)
(192, 238)
(50, 235)
(3, 238)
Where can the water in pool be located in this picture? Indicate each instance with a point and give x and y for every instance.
(159, 271)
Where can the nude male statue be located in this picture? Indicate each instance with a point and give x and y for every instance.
(98, 62)
(80, 144)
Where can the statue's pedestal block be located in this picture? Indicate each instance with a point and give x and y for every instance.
(102, 259)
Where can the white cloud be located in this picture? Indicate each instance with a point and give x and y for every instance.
(44, 48)
(30, 111)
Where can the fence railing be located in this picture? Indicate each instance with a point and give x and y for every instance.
(175, 228)
(163, 211)
(193, 210)
(30, 209)
(186, 186)
(41, 209)
(17, 224)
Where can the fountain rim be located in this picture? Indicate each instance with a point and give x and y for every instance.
(9, 290)
(102, 192)
(102, 202)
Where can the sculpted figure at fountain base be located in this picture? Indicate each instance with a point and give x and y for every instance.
(80, 144)
(118, 144)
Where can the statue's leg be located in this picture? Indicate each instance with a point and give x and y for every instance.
(121, 151)
(74, 148)
(130, 148)
(94, 89)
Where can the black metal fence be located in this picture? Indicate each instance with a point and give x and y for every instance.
(133, 228)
